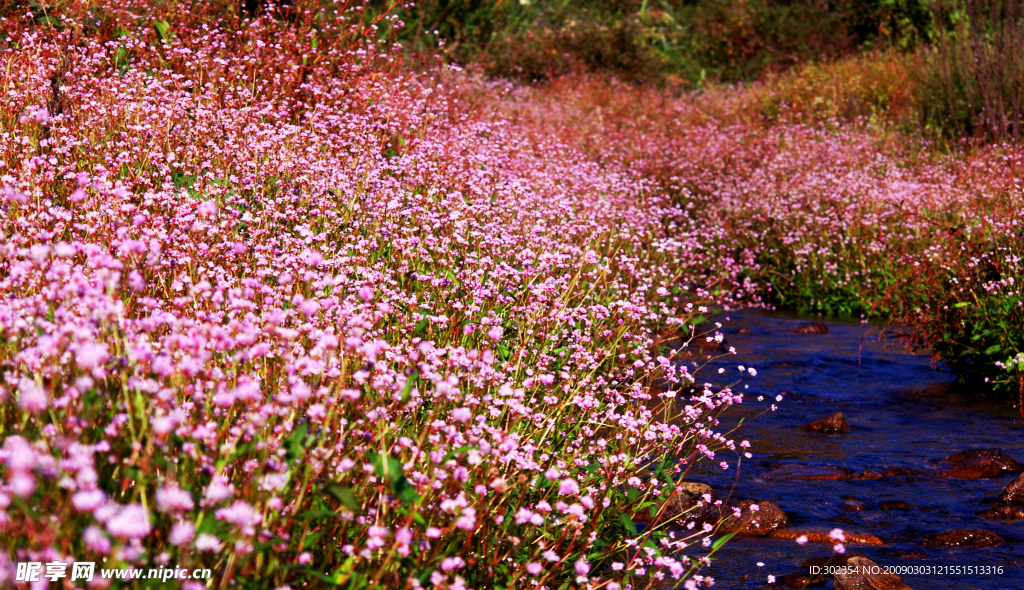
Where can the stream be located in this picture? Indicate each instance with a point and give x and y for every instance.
(904, 418)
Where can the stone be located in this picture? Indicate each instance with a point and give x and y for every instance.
(851, 506)
(866, 476)
(795, 471)
(1006, 512)
(864, 574)
(906, 475)
(896, 505)
(811, 328)
(744, 331)
(688, 503)
(1014, 493)
(835, 559)
(995, 454)
(980, 464)
(980, 469)
(767, 519)
(965, 538)
(803, 580)
(832, 423)
(914, 555)
(813, 536)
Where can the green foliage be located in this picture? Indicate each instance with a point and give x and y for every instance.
(971, 81)
(692, 41)
(964, 301)
(899, 23)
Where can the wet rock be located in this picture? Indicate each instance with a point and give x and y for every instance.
(794, 471)
(851, 506)
(862, 539)
(965, 538)
(994, 454)
(811, 328)
(896, 471)
(813, 536)
(865, 574)
(895, 505)
(981, 463)
(803, 580)
(838, 559)
(766, 519)
(980, 469)
(744, 331)
(914, 555)
(831, 423)
(689, 503)
(1014, 493)
(1005, 512)
(866, 476)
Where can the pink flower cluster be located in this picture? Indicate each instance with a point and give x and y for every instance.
(271, 307)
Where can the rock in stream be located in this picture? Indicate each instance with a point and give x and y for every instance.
(832, 423)
(1014, 493)
(981, 464)
(811, 328)
(965, 538)
(767, 518)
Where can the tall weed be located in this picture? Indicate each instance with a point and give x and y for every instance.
(971, 80)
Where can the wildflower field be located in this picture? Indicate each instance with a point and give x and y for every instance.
(278, 301)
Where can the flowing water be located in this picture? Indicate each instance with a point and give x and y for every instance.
(902, 413)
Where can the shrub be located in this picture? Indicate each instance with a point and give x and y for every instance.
(678, 42)
(544, 53)
(874, 86)
(962, 299)
(971, 79)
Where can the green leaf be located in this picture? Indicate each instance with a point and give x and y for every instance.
(628, 523)
(452, 454)
(405, 491)
(309, 539)
(722, 540)
(386, 466)
(319, 514)
(670, 483)
(343, 573)
(993, 349)
(162, 28)
(407, 390)
(295, 444)
(344, 495)
(962, 304)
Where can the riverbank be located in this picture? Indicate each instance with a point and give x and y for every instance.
(847, 217)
